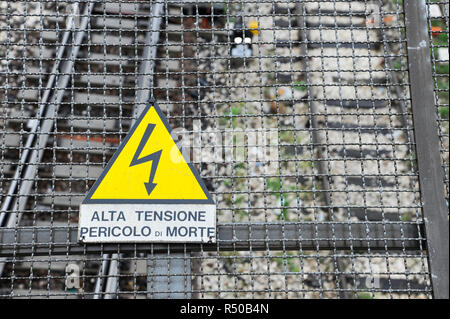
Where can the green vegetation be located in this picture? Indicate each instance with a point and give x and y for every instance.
(300, 86)
(407, 217)
(364, 295)
(227, 182)
(274, 184)
(442, 84)
(397, 65)
(287, 136)
(290, 262)
(237, 110)
(440, 40)
(239, 200)
(442, 69)
(443, 111)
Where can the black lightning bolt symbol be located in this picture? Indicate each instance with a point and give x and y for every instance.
(154, 157)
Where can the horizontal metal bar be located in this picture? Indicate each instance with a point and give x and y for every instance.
(234, 237)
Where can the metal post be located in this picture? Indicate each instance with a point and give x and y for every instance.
(435, 212)
(168, 276)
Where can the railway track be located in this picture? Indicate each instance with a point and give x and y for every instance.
(361, 124)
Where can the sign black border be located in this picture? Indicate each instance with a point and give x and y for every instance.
(88, 199)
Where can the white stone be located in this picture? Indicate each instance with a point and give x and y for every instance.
(443, 54)
(169, 84)
(435, 11)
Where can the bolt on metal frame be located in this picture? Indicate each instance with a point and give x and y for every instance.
(351, 206)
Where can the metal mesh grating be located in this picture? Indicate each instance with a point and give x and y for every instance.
(307, 145)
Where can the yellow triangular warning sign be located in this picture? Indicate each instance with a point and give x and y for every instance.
(148, 167)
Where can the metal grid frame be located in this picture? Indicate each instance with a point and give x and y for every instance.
(336, 213)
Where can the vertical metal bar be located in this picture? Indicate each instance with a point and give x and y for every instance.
(112, 282)
(145, 80)
(435, 212)
(170, 276)
(321, 167)
(100, 278)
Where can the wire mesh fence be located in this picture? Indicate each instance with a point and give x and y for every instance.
(296, 114)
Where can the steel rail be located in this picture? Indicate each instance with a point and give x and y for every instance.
(321, 167)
